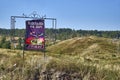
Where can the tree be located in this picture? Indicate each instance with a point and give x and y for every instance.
(19, 46)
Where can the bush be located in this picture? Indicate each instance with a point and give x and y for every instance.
(6, 45)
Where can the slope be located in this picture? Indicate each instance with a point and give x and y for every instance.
(90, 48)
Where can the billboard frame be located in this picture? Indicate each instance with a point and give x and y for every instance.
(33, 16)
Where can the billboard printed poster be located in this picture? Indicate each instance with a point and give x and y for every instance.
(35, 39)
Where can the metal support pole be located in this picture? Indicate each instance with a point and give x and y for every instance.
(55, 29)
(44, 46)
(13, 30)
(118, 46)
(53, 36)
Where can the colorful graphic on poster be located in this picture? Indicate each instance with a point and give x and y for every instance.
(35, 39)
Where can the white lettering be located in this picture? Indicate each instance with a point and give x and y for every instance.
(36, 23)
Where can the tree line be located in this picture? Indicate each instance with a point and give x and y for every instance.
(50, 34)
(63, 33)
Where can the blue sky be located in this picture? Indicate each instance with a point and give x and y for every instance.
(74, 14)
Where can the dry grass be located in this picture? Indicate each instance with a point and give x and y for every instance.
(86, 71)
(13, 67)
(91, 58)
(101, 53)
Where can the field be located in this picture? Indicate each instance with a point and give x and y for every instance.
(80, 58)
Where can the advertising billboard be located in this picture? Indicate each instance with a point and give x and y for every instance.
(35, 35)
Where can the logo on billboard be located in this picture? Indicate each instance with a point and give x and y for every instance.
(35, 38)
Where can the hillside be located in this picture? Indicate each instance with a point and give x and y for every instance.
(86, 45)
(80, 58)
(93, 55)
(95, 47)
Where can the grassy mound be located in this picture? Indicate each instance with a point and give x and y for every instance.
(84, 58)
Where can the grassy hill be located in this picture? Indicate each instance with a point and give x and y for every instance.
(87, 46)
(91, 52)
(82, 58)
(90, 49)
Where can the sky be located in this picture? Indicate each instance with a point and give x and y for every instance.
(74, 14)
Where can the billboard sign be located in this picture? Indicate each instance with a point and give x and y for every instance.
(35, 35)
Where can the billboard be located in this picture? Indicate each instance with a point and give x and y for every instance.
(35, 35)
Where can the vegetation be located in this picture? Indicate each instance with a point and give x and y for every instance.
(93, 58)
(79, 58)
(64, 33)
(5, 43)
(19, 46)
(74, 69)
(77, 55)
